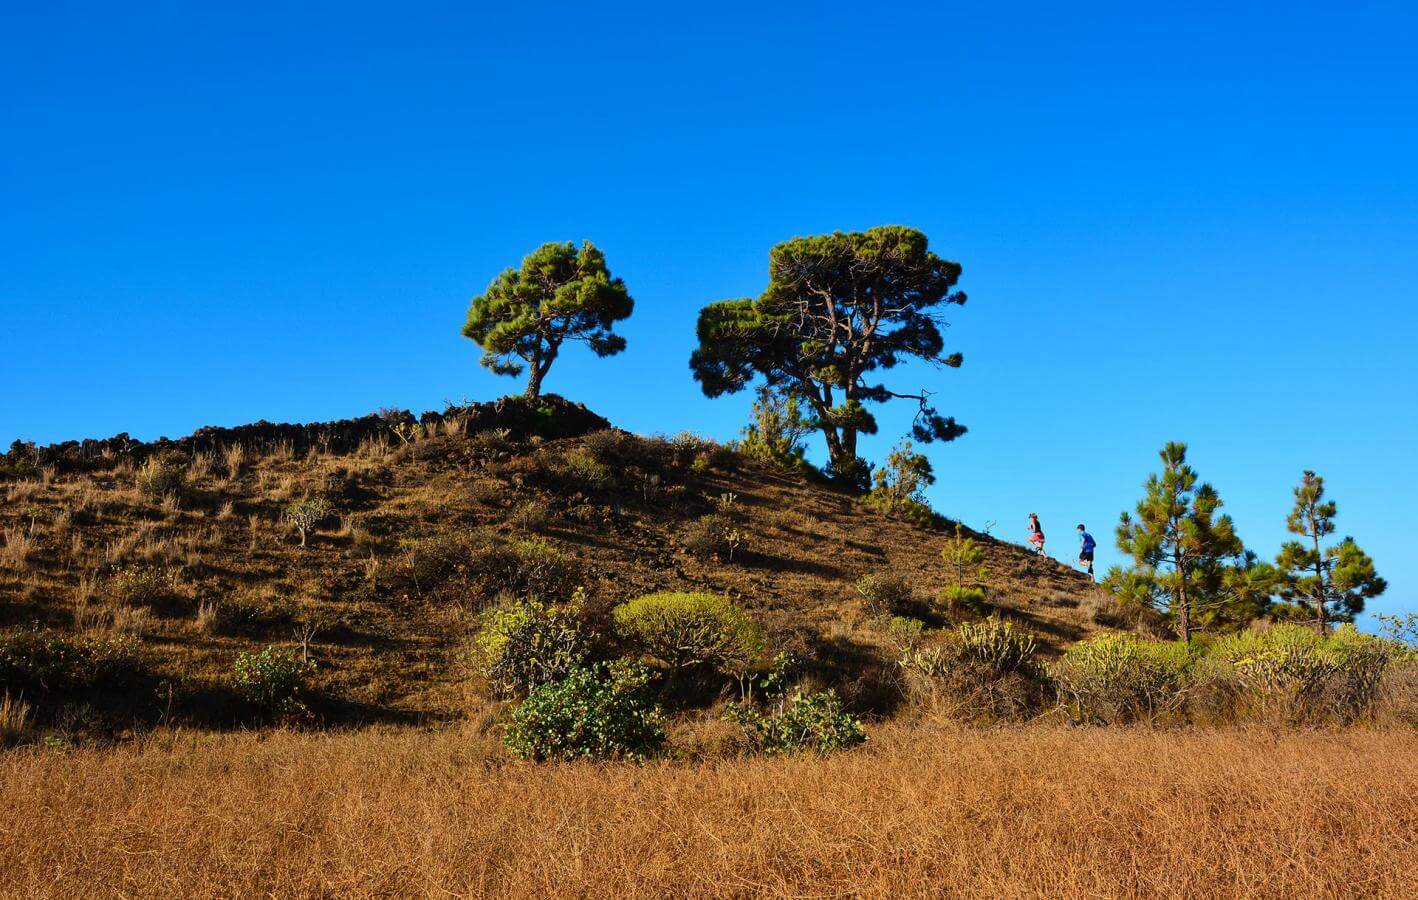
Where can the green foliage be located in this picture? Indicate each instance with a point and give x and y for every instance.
(1401, 630)
(899, 485)
(683, 630)
(524, 645)
(561, 293)
(1115, 678)
(1182, 550)
(963, 558)
(593, 713)
(305, 515)
(714, 535)
(524, 568)
(778, 428)
(838, 308)
(272, 679)
(884, 593)
(1322, 584)
(815, 722)
(960, 600)
(36, 661)
(162, 474)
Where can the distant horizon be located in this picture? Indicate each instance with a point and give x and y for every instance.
(1174, 225)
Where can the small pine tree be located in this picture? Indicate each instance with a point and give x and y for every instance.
(1178, 543)
(778, 427)
(561, 293)
(901, 483)
(1324, 584)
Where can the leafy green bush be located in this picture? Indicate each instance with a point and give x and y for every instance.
(814, 722)
(307, 514)
(905, 632)
(593, 713)
(583, 470)
(163, 474)
(272, 679)
(1115, 678)
(37, 662)
(684, 630)
(525, 645)
(777, 430)
(714, 535)
(884, 593)
(982, 671)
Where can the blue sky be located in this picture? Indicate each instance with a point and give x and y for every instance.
(1198, 225)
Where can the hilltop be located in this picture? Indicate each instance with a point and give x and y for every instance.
(422, 516)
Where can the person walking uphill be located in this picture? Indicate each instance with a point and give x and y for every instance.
(1036, 534)
(1085, 553)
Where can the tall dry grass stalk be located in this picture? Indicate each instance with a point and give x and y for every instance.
(233, 459)
(19, 544)
(1040, 812)
(14, 720)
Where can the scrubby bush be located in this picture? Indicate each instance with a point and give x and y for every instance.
(272, 679)
(583, 470)
(38, 662)
(899, 485)
(1115, 678)
(243, 615)
(163, 474)
(1292, 673)
(714, 535)
(815, 722)
(684, 630)
(432, 561)
(139, 586)
(307, 514)
(904, 632)
(982, 671)
(884, 593)
(597, 712)
(777, 430)
(529, 568)
(524, 645)
(531, 515)
(608, 446)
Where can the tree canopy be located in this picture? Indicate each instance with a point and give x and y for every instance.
(561, 293)
(838, 309)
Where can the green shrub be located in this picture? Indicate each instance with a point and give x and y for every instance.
(272, 679)
(959, 600)
(814, 722)
(1115, 678)
(163, 474)
(35, 661)
(884, 593)
(525, 645)
(593, 713)
(963, 558)
(982, 671)
(714, 535)
(584, 471)
(684, 630)
(904, 632)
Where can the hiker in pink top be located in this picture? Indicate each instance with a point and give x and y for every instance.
(1036, 534)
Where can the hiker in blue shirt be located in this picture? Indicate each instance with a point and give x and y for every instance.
(1085, 555)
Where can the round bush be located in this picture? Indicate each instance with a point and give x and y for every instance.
(526, 645)
(684, 630)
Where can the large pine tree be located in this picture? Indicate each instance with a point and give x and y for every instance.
(1186, 557)
(838, 309)
(561, 293)
(1322, 584)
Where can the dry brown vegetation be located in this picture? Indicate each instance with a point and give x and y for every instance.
(919, 811)
(152, 543)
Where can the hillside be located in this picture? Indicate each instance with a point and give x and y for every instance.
(186, 546)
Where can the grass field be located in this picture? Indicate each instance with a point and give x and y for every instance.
(920, 811)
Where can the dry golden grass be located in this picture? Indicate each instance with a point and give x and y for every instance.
(1019, 812)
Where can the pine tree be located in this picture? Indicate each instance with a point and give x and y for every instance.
(837, 309)
(561, 293)
(1323, 584)
(778, 427)
(1181, 549)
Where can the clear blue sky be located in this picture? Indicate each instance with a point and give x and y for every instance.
(1199, 225)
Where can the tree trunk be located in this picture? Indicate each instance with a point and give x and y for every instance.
(1184, 613)
(534, 381)
(1322, 617)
